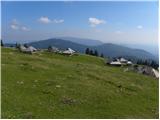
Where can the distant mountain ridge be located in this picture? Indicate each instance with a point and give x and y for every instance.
(83, 41)
(154, 49)
(113, 50)
(108, 49)
(59, 43)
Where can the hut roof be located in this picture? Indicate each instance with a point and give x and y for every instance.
(115, 63)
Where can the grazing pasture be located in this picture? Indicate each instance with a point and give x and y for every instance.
(48, 85)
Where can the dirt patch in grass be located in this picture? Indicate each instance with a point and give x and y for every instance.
(68, 100)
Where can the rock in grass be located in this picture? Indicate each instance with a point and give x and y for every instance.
(20, 82)
(58, 86)
(35, 80)
(67, 100)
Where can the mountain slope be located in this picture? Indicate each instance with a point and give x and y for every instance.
(154, 49)
(47, 85)
(83, 41)
(113, 50)
(62, 44)
(108, 49)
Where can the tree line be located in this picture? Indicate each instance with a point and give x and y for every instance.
(138, 61)
(151, 63)
(89, 51)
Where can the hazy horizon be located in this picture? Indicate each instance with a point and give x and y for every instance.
(153, 49)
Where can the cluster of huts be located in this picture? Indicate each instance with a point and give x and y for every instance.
(146, 70)
(31, 49)
(119, 62)
(68, 51)
(116, 62)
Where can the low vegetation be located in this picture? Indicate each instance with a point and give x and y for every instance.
(48, 85)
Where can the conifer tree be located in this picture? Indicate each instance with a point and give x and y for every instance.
(102, 55)
(2, 43)
(87, 51)
(91, 52)
(95, 53)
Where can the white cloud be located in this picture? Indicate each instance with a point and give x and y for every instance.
(15, 22)
(46, 20)
(14, 27)
(140, 27)
(25, 28)
(94, 21)
(58, 21)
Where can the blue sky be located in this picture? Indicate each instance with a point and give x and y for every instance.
(114, 22)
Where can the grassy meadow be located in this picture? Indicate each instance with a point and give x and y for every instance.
(48, 85)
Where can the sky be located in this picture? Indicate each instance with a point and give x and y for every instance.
(111, 22)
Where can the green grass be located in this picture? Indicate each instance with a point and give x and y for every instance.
(47, 85)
